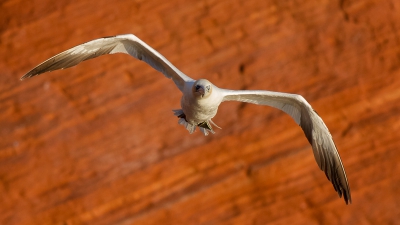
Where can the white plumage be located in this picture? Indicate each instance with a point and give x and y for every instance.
(201, 99)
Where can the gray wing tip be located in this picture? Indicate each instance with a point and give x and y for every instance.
(345, 191)
(336, 173)
(347, 197)
(26, 76)
(341, 186)
(339, 181)
(34, 72)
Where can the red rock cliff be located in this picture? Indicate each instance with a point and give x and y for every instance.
(98, 143)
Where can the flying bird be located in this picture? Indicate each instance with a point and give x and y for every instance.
(201, 98)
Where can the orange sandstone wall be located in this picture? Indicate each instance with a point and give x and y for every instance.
(98, 143)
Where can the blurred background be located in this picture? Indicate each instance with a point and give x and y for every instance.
(98, 143)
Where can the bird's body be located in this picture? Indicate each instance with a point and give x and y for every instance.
(199, 109)
(201, 99)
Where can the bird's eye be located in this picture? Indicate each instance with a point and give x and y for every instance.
(208, 87)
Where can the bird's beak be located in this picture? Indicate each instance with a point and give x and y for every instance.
(200, 90)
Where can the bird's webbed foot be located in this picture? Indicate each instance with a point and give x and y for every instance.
(205, 127)
(182, 120)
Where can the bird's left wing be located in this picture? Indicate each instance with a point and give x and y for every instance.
(314, 128)
(128, 44)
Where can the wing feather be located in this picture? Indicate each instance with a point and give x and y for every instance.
(128, 44)
(318, 135)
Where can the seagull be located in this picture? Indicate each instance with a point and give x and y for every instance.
(200, 99)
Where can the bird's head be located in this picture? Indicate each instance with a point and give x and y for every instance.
(202, 88)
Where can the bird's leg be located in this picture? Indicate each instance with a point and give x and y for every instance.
(179, 113)
(182, 120)
(205, 127)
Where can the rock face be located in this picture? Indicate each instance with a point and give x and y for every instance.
(98, 143)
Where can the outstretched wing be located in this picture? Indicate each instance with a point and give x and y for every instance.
(314, 128)
(128, 44)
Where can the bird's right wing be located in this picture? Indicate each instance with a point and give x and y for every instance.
(314, 128)
(128, 44)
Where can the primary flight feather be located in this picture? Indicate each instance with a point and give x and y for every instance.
(201, 99)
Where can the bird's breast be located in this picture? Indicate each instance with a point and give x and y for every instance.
(198, 110)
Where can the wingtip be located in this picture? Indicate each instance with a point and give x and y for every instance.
(24, 77)
(347, 198)
(347, 193)
(28, 75)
